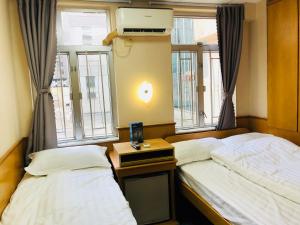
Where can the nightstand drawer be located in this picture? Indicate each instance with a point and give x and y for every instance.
(149, 197)
(146, 157)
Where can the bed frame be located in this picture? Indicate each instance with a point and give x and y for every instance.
(11, 171)
(198, 201)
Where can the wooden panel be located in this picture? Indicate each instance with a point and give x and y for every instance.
(150, 131)
(283, 64)
(158, 150)
(270, 2)
(257, 124)
(157, 144)
(216, 134)
(298, 66)
(11, 172)
(139, 169)
(253, 123)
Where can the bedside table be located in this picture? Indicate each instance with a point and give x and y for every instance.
(146, 177)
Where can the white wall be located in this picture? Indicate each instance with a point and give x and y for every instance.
(15, 99)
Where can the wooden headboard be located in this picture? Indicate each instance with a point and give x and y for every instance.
(216, 134)
(11, 171)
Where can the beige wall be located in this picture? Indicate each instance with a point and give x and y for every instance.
(242, 84)
(252, 80)
(258, 61)
(15, 100)
(145, 60)
(137, 66)
(150, 60)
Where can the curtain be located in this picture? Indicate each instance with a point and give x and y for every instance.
(230, 35)
(38, 25)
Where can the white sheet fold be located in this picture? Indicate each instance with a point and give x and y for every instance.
(237, 199)
(79, 197)
(270, 161)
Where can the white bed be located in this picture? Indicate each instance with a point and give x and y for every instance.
(238, 200)
(78, 197)
(71, 186)
(237, 190)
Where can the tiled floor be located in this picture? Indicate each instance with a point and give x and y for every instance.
(187, 214)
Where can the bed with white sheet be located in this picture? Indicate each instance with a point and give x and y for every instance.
(251, 179)
(60, 192)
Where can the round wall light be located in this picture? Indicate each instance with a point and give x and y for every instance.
(145, 91)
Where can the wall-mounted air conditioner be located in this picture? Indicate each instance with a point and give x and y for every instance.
(144, 21)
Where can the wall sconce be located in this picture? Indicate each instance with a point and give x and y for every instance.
(145, 91)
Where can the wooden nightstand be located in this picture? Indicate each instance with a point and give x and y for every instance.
(146, 177)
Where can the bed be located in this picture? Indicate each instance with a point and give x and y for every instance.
(226, 194)
(81, 196)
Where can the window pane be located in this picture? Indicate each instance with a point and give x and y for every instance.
(196, 109)
(81, 28)
(185, 95)
(213, 82)
(61, 89)
(194, 30)
(95, 89)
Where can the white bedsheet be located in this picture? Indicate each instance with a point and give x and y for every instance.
(79, 197)
(271, 162)
(237, 199)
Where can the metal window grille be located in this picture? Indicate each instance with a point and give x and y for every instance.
(82, 93)
(197, 83)
(81, 83)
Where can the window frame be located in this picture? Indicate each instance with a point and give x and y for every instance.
(73, 51)
(199, 48)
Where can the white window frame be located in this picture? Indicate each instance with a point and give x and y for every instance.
(73, 51)
(199, 49)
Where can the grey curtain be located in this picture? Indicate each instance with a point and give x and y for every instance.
(38, 25)
(230, 20)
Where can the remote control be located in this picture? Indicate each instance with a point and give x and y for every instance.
(136, 146)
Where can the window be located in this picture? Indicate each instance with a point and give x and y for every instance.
(197, 82)
(81, 83)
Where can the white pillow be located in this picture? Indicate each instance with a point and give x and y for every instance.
(69, 158)
(195, 150)
(242, 138)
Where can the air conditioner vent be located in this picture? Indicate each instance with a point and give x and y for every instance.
(147, 30)
(144, 21)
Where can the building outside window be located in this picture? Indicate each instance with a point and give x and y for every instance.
(81, 83)
(197, 82)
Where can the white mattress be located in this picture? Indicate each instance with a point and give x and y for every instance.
(79, 197)
(237, 199)
(271, 162)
